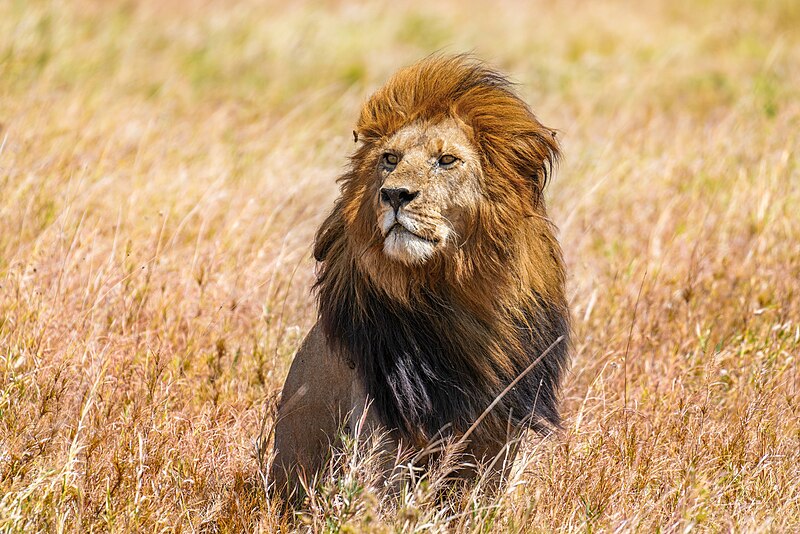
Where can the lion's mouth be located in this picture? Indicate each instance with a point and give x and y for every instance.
(397, 227)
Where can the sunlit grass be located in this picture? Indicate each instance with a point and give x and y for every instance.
(163, 166)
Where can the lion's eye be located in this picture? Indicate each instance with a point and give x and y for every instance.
(447, 160)
(390, 160)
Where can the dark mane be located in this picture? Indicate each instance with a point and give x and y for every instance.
(412, 361)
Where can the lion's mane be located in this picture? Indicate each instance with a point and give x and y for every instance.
(435, 344)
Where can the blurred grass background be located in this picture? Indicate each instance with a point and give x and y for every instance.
(163, 167)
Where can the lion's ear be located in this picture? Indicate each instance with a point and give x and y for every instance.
(537, 153)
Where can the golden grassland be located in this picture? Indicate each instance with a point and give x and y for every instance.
(163, 167)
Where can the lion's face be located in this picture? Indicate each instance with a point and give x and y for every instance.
(428, 178)
(444, 189)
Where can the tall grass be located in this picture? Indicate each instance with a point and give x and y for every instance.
(163, 166)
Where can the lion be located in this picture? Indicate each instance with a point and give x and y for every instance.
(440, 283)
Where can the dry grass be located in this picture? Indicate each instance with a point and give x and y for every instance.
(163, 166)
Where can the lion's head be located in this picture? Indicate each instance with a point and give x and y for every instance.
(440, 274)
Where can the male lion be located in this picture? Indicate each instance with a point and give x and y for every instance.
(441, 283)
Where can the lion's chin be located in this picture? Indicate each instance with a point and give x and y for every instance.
(402, 245)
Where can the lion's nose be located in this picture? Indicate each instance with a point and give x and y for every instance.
(397, 198)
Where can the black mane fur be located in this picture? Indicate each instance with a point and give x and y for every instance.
(412, 365)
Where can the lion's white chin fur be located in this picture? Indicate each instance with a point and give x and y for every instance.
(402, 245)
(400, 241)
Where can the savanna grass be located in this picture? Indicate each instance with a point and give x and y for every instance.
(163, 166)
